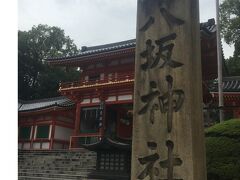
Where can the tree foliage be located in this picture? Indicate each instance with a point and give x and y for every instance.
(230, 29)
(233, 65)
(36, 79)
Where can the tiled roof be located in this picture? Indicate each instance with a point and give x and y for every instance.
(207, 28)
(44, 103)
(108, 143)
(230, 84)
(85, 51)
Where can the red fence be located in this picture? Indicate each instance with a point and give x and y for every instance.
(117, 79)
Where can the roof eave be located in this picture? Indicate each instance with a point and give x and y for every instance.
(44, 109)
(83, 59)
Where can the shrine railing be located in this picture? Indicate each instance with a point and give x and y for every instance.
(76, 142)
(89, 83)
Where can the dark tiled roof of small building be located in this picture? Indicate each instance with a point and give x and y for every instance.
(206, 28)
(61, 101)
(230, 84)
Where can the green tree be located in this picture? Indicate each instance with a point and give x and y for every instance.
(230, 29)
(36, 79)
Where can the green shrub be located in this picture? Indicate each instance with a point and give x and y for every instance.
(223, 151)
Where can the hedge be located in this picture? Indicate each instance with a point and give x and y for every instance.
(223, 150)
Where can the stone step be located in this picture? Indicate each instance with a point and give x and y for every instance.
(57, 166)
(87, 163)
(45, 161)
(44, 178)
(39, 178)
(56, 159)
(63, 154)
(47, 175)
(53, 152)
(71, 158)
(58, 169)
(60, 165)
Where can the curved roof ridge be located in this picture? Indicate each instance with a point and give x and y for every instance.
(60, 101)
(42, 100)
(231, 78)
(111, 44)
(230, 84)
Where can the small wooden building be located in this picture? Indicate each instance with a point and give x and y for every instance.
(45, 124)
(231, 96)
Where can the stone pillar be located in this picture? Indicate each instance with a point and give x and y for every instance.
(168, 137)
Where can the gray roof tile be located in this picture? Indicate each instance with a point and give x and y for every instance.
(230, 84)
(44, 103)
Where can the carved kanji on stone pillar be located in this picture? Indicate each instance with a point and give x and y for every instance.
(171, 101)
(167, 93)
(149, 161)
(171, 161)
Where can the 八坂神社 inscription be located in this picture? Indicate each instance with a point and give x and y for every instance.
(164, 52)
(171, 161)
(161, 99)
(164, 8)
(169, 102)
(149, 160)
(148, 99)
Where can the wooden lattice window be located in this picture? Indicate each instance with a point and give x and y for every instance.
(113, 161)
(25, 132)
(89, 121)
(43, 131)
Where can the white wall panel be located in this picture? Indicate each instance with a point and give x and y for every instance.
(45, 145)
(36, 145)
(26, 146)
(124, 97)
(111, 98)
(85, 101)
(62, 133)
(95, 100)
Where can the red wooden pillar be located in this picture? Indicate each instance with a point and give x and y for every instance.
(32, 135)
(102, 129)
(77, 120)
(52, 131)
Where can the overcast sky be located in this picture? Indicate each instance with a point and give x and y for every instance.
(93, 22)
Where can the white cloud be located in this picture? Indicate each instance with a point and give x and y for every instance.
(92, 22)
